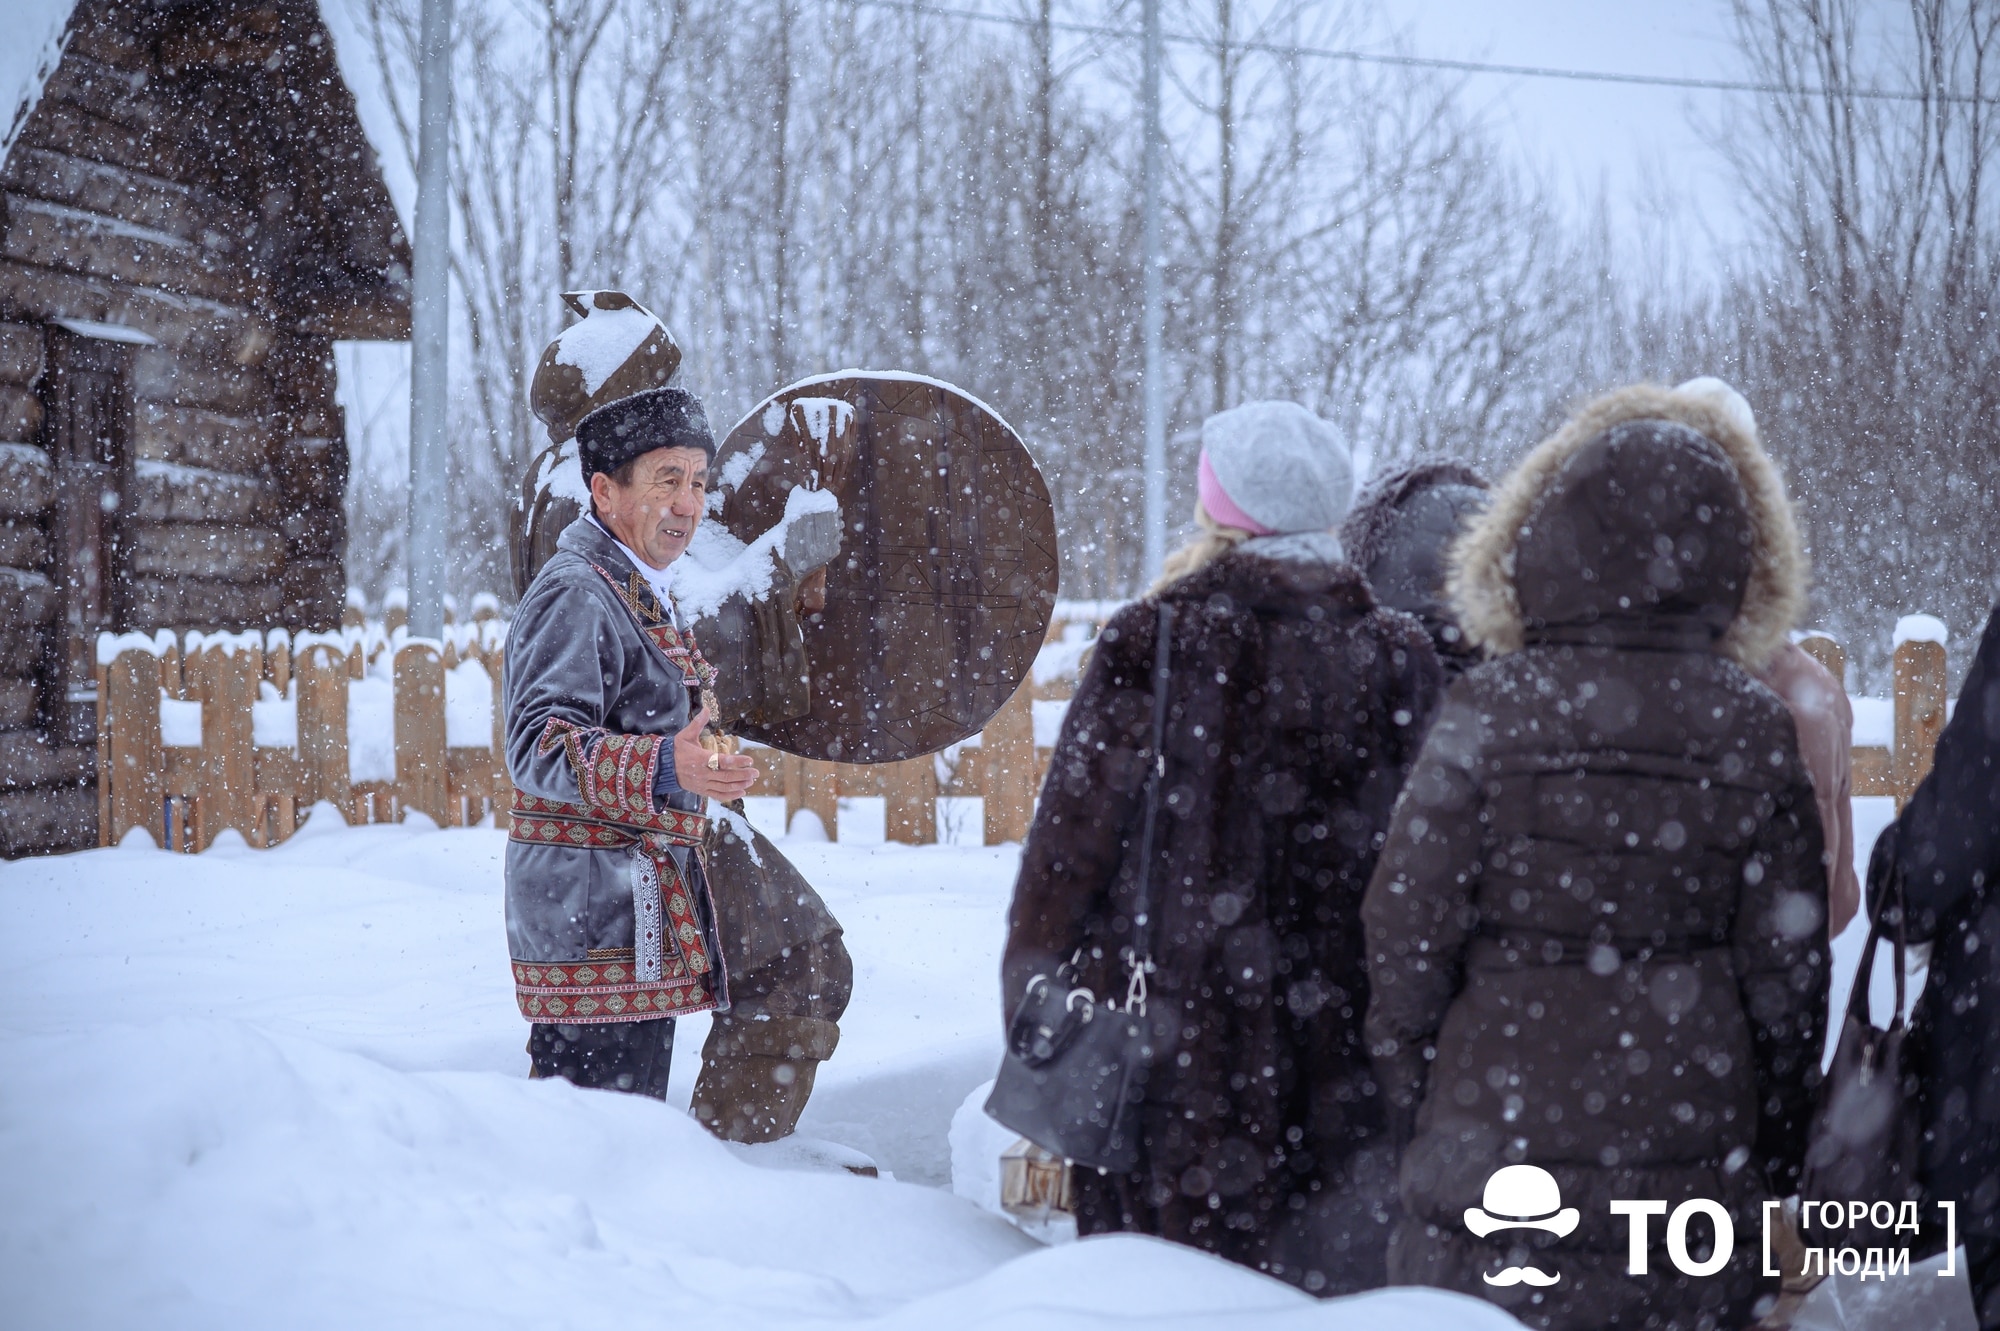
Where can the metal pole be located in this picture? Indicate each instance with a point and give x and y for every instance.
(430, 325)
(1154, 388)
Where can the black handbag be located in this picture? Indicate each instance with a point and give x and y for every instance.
(1075, 1068)
(1863, 1145)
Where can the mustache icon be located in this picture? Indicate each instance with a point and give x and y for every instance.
(1522, 1275)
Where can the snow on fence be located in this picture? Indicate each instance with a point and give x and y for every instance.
(206, 731)
(1895, 737)
(247, 730)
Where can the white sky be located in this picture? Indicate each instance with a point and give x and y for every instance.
(1627, 143)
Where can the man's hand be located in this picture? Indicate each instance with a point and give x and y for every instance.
(718, 776)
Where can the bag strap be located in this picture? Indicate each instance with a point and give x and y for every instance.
(1857, 997)
(1139, 957)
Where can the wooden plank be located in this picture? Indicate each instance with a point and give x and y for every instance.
(199, 437)
(57, 236)
(228, 793)
(1872, 774)
(909, 801)
(159, 600)
(503, 780)
(188, 212)
(103, 735)
(135, 763)
(189, 550)
(420, 736)
(1920, 709)
(322, 711)
(22, 349)
(820, 792)
(27, 484)
(26, 596)
(278, 662)
(1828, 653)
(20, 415)
(21, 650)
(17, 702)
(1007, 761)
(61, 125)
(172, 492)
(161, 374)
(194, 325)
(23, 543)
(28, 759)
(279, 772)
(42, 820)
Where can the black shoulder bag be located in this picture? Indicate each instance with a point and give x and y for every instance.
(1863, 1145)
(1075, 1068)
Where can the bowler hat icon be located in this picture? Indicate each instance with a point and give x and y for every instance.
(1522, 1197)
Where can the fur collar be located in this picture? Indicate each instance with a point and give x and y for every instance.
(1280, 577)
(1481, 582)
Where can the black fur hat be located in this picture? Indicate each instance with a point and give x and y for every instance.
(617, 432)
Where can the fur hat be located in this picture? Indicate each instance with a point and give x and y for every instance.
(1276, 465)
(631, 427)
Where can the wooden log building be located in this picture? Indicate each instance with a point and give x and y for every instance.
(190, 215)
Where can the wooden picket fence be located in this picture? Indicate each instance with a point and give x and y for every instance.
(184, 788)
(1921, 691)
(212, 770)
(185, 780)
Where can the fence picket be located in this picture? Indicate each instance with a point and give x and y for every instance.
(422, 780)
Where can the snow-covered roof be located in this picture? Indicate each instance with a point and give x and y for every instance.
(347, 23)
(27, 59)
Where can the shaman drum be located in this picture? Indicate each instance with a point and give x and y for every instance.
(933, 610)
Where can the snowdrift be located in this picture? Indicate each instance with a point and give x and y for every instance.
(286, 1088)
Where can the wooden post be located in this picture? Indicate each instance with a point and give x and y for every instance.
(323, 774)
(1829, 654)
(791, 773)
(135, 769)
(1007, 768)
(227, 686)
(819, 784)
(420, 764)
(1920, 699)
(503, 780)
(278, 660)
(909, 802)
(104, 837)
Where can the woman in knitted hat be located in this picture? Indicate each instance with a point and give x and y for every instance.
(1294, 706)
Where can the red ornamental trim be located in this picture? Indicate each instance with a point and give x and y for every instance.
(554, 823)
(679, 648)
(614, 773)
(683, 927)
(595, 994)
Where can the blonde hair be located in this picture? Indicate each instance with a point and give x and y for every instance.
(1214, 541)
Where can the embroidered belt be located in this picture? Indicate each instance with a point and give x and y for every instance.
(671, 972)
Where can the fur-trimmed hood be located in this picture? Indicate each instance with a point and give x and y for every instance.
(1482, 582)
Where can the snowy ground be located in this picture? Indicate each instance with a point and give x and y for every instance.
(286, 1088)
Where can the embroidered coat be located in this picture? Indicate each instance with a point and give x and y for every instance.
(608, 911)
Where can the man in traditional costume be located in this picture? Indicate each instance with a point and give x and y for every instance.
(610, 923)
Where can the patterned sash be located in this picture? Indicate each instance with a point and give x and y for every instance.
(668, 972)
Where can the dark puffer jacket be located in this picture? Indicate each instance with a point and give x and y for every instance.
(1294, 707)
(1399, 534)
(1597, 932)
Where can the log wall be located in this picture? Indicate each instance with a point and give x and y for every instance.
(194, 178)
